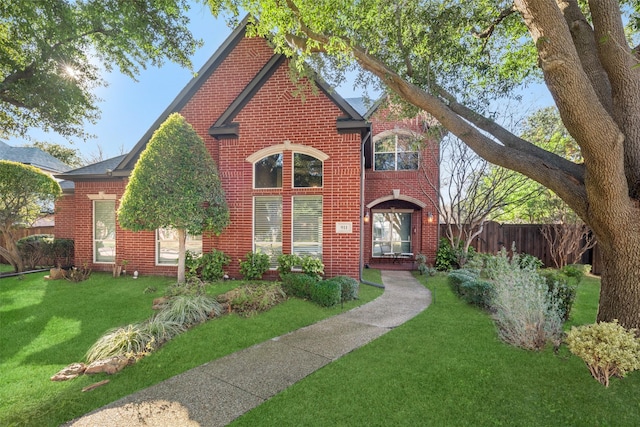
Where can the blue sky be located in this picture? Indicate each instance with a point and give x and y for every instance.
(129, 108)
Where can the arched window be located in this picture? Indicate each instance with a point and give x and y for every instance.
(268, 172)
(307, 171)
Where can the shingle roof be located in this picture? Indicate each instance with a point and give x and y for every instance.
(104, 167)
(32, 156)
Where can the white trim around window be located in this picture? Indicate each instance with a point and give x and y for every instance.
(167, 246)
(104, 231)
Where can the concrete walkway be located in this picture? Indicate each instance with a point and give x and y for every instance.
(218, 392)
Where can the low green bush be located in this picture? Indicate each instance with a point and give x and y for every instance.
(467, 285)
(349, 287)
(255, 298)
(449, 258)
(62, 251)
(608, 349)
(560, 288)
(298, 285)
(576, 271)
(35, 250)
(312, 266)
(326, 293)
(213, 265)
(254, 265)
(286, 262)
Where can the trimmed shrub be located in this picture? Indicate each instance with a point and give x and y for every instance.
(62, 251)
(326, 293)
(576, 271)
(448, 257)
(607, 348)
(254, 265)
(35, 250)
(467, 285)
(349, 287)
(298, 285)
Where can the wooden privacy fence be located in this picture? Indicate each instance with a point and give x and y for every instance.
(24, 232)
(527, 238)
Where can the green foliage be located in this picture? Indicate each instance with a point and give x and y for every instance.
(52, 56)
(467, 285)
(607, 348)
(561, 289)
(189, 310)
(312, 266)
(127, 341)
(576, 271)
(213, 264)
(349, 287)
(526, 313)
(252, 299)
(174, 184)
(286, 262)
(326, 293)
(35, 250)
(447, 257)
(192, 286)
(62, 251)
(298, 285)
(529, 261)
(254, 265)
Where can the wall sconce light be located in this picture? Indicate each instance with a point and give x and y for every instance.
(429, 217)
(366, 217)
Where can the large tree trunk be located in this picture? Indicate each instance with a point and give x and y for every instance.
(620, 281)
(11, 252)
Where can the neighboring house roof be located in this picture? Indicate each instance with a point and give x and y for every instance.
(32, 156)
(365, 106)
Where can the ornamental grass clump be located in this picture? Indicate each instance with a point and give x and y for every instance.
(608, 349)
(131, 341)
(526, 312)
(251, 299)
(189, 310)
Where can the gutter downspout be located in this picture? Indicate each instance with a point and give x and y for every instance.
(362, 175)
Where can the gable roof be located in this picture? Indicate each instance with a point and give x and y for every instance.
(224, 126)
(32, 156)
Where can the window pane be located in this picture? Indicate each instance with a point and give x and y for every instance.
(407, 161)
(104, 230)
(386, 145)
(407, 143)
(307, 171)
(167, 246)
(385, 162)
(267, 228)
(307, 226)
(268, 172)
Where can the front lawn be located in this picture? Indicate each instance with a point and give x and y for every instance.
(46, 325)
(446, 367)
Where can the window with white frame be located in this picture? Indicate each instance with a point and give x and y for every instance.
(167, 246)
(307, 226)
(267, 227)
(396, 151)
(268, 172)
(307, 171)
(391, 233)
(104, 231)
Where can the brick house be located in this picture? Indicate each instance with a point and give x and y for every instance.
(305, 174)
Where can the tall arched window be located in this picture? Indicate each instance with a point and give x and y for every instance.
(268, 172)
(307, 171)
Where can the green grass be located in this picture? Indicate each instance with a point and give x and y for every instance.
(446, 367)
(46, 325)
(6, 268)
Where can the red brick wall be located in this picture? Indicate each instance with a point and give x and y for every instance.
(65, 217)
(424, 237)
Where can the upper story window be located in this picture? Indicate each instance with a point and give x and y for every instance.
(395, 152)
(307, 171)
(268, 172)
